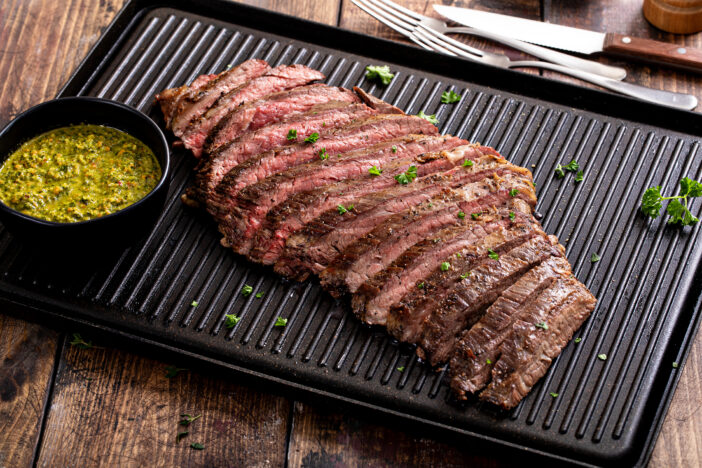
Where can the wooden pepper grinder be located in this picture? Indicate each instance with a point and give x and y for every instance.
(675, 16)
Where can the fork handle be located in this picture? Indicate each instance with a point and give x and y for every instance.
(590, 66)
(667, 98)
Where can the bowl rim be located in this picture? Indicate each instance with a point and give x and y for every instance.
(165, 171)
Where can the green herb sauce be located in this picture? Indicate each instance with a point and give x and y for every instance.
(78, 173)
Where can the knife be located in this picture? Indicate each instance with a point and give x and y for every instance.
(575, 39)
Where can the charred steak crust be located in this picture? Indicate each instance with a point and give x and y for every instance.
(452, 260)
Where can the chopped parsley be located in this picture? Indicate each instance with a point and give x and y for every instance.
(342, 209)
(230, 320)
(187, 419)
(449, 97)
(420, 285)
(172, 371)
(492, 254)
(375, 170)
(487, 361)
(445, 266)
(197, 446)
(578, 340)
(572, 166)
(194, 303)
(512, 215)
(542, 325)
(675, 365)
(467, 163)
(401, 368)
(458, 255)
(259, 295)
(79, 342)
(379, 71)
(466, 275)
(292, 134)
(553, 394)
(323, 154)
(579, 176)
(461, 215)
(312, 138)
(602, 357)
(429, 118)
(394, 149)
(594, 258)
(514, 192)
(407, 177)
(281, 322)
(651, 202)
(560, 173)
(246, 290)
(474, 215)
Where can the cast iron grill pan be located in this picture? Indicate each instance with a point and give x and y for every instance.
(606, 412)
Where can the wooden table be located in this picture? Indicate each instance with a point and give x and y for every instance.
(65, 406)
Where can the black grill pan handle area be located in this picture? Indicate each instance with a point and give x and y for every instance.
(648, 280)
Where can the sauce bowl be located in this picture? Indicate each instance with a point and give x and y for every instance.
(119, 228)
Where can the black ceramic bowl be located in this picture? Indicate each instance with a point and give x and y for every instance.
(115, 229)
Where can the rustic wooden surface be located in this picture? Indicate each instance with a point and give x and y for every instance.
(65, 406)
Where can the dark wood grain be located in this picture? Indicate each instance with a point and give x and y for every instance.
(115, 408)
(26, 367)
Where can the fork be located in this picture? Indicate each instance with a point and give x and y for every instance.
(396, 17)
(410, 17)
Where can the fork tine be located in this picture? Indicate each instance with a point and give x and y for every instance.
(436, 44)
(382, 17)
(395, 10)
(392, 15)
(447, 41)
(403, 10)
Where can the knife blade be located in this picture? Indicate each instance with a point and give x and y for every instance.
(575, 39)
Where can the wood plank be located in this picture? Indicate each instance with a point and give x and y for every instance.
(27, 356)
(116, 408)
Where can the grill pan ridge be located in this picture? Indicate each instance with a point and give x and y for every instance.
(647, 282)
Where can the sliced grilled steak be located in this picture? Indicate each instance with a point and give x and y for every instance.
(275, 108)
(528, 350)
(170, 99)
(382, 106)
(387, 241)
(358, 134)
(479, 347)
(428, 153)
(277, 79)
(255, 201)
(465, 304)
(406, 319)
(372, 300)
(318, 119)
(325, 234)
(193, 105)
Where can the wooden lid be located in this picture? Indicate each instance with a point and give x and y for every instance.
(675, 16)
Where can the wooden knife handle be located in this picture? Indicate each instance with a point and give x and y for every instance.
(654, 51)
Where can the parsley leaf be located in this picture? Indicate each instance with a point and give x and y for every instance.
(594, 258)
(292, 134)
(172, 371)
(230, 320)
(677, 209)
(553, 394)
(194, 303)
(466, 275)
(281, 322)
(323, 154)
(542, 325)
(429, 118)
(312, 138)
(407, 177)
(578, 340)
(467, 163)
(512, 215)
(559, 172)
(487, 361)
(514, 192)
(375, 170)
(246, 290)
(461, 215)
(187, 419)
(197, 446)
(80, 342)
(492, 254)
(449, 97)
(379, 71)
(445, 266)
(342, 209)
(572, 166)
(420, 285)
(474, 215)
(602, 357)
(579, 176)
(675, 365)
(259, 295)
(394, 149)
(401, 368)
(181, 435)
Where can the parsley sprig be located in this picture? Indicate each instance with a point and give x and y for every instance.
(381, 72)
(407, 177)
(449, 97)
(652, 202)
(429, 118)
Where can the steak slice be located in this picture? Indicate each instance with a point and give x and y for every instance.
(274, 108)
(372, 300)
(170, 99)
(317, 119)
(358, 134)
(319, 207)
(529, 350)
(406, 318)
(277, 79)
(376, 250)
(196, 103)
(465, 304)
(479, 347)
(255, 201)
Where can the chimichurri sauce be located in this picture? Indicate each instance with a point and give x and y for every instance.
(78, 173)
